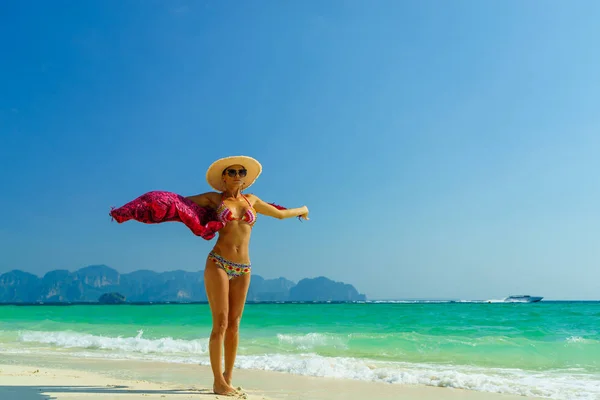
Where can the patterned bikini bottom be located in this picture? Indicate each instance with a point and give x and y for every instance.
(232, 269)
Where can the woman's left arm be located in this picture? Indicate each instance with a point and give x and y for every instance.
(267, 209)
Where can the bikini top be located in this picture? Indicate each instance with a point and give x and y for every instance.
(224, 213)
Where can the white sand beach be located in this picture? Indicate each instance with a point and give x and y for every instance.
(28, 378)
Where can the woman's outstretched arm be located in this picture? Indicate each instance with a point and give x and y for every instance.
(267, 209)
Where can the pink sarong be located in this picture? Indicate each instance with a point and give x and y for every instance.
(158, 206)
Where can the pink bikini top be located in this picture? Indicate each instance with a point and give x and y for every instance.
(224, 213)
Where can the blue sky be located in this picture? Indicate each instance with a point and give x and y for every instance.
(444, 149)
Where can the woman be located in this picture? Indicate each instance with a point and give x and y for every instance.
(227, 272)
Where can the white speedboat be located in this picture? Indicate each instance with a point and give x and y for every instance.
(522, 299)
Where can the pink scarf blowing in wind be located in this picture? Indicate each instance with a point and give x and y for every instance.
(159, 206)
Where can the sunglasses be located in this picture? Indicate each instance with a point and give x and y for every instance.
(233, 172)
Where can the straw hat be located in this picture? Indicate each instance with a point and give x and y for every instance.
(214, 174)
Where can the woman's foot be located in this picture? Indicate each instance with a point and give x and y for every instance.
(224, 389)
(227, 378)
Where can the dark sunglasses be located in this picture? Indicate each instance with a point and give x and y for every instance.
(232, 172)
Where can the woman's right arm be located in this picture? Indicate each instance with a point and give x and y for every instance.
(205, 199)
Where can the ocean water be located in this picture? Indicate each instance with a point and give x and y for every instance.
(546, 349)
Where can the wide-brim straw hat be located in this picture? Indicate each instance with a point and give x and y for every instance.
(214, 174)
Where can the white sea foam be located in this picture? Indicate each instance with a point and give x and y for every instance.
(550, 384)
(579, 339)
(513, 381)
(134, 344)
(311, 341)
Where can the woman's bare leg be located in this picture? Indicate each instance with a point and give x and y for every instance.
(238, 289)
(216, 283)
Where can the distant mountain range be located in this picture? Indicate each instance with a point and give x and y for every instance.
(90, 283)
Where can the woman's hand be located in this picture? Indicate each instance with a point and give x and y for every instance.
(305, 214)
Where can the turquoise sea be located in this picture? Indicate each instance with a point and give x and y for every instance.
(546, 349)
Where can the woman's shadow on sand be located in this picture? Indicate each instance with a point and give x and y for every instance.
(45, 392)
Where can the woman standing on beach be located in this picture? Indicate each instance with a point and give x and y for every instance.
(227, 272)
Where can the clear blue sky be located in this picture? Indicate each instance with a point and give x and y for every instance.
(444, 148)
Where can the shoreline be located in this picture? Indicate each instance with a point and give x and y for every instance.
(284, 302)
(27, 377)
